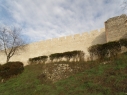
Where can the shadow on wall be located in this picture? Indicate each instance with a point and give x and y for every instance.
(100, 39)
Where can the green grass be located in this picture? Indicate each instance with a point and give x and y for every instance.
(97, 79)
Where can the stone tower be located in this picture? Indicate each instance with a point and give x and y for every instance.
(116, 28)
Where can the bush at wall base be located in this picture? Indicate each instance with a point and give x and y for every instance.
(10, 69)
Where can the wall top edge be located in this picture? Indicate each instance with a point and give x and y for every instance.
(116, 17)
(71, 36)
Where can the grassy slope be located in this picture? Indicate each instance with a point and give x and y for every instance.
(100, 79)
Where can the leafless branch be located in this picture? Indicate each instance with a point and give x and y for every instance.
(10, 41)
(124, 5)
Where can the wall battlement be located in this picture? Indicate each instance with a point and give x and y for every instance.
(115, 28)
(84, 35)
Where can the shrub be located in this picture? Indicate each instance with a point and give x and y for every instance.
(10, 69)
(0, 69)
(123, 42)
(43, 58)
(0, 65)
(68, 55)
(104, 50)
(56, 56)
(98, 50)
(114, 48)
(38, 59)
(93, 50)
(76, 54)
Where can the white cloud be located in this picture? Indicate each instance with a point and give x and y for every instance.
(44, 19)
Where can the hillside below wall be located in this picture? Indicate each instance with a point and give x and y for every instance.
(59, 45)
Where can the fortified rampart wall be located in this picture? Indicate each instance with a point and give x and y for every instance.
(58, 45)
(115, 29)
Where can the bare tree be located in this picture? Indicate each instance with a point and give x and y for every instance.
(124, 5)
(10, 41)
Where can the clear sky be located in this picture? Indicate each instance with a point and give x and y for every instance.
(46, 19)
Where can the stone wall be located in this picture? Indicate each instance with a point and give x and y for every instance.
(59, 45)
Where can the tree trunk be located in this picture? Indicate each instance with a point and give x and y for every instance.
(8, 58)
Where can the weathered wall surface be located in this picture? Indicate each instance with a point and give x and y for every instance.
(116, 28)
(59, 45)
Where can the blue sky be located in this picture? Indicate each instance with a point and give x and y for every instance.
(46, 19)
